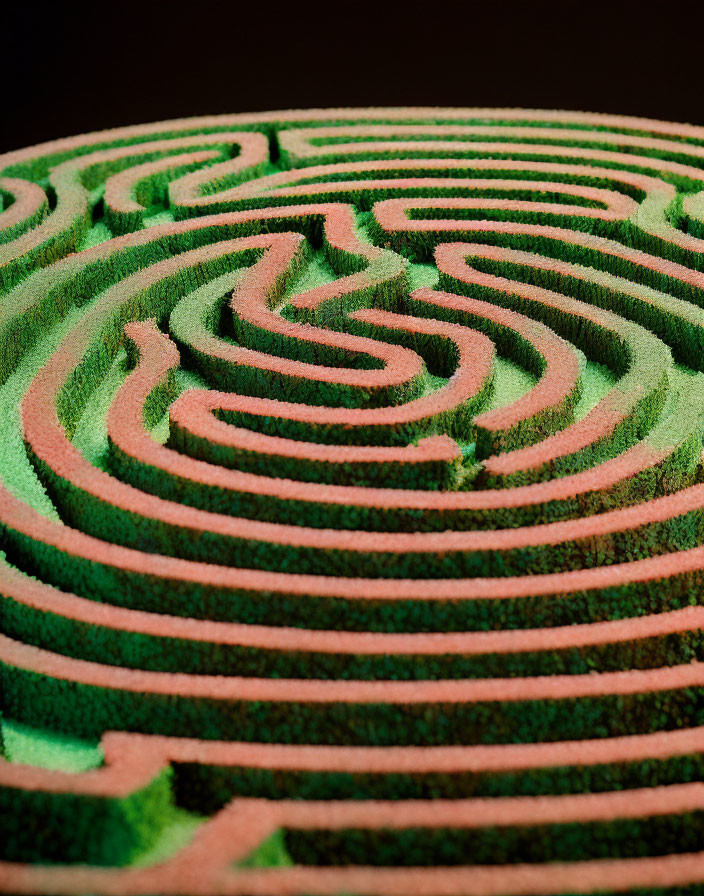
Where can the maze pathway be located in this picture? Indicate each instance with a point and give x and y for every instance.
(352, 507)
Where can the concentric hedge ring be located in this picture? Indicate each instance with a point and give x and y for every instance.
(353, 497)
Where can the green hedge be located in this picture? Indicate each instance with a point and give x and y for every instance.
(48, 827)
(88, 710)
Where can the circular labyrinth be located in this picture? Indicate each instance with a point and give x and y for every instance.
(351, 506)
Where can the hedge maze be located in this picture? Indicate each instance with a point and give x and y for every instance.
(352, 507)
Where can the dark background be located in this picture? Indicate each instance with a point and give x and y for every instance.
(72, 68)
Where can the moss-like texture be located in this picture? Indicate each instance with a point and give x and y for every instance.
(333, 442)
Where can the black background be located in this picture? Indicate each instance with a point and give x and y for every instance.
(72, 68)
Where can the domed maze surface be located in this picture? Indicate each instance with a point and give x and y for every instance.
(352, 506)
